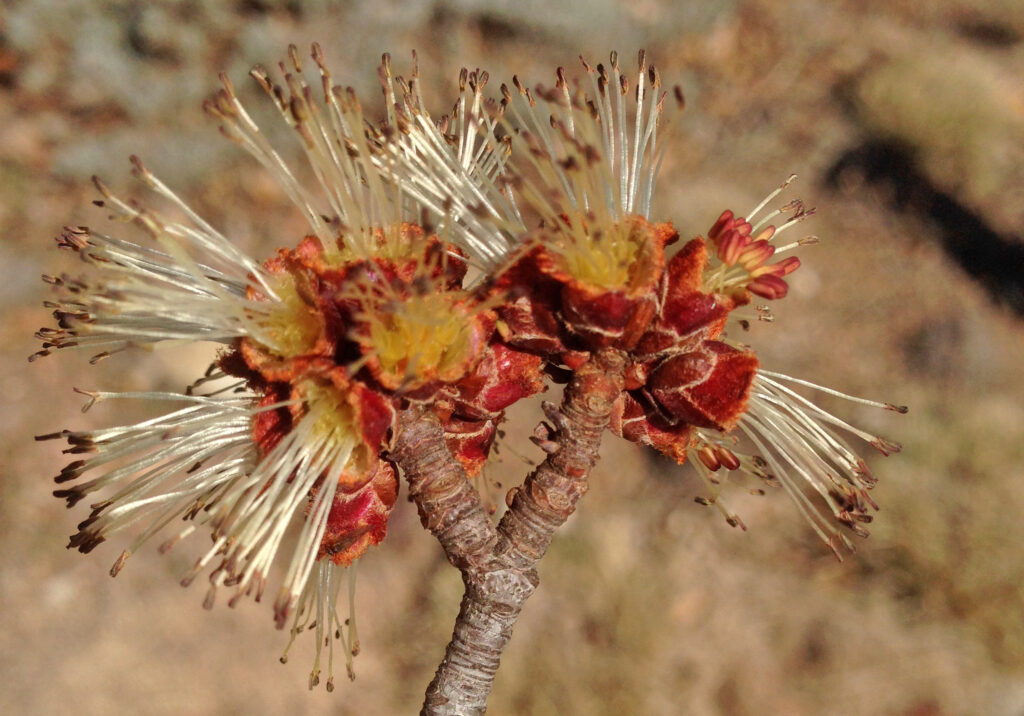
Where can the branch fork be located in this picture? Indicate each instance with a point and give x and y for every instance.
(498, 564)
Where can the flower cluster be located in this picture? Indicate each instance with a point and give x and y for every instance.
(455, 265)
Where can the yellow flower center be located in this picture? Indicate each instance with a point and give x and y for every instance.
(334, 424)
(422, 337)
(293, 327)
(603, 255)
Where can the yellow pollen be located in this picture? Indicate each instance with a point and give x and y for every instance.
(602, 256)
(334, 422)
(421, 337)
(293, 327)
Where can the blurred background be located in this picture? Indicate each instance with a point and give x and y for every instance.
(905, 123)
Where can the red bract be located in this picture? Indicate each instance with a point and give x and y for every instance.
(681, 376)
(529, 315)
(706, 388)
(359, 516)
(638, 424)
(473, 407)
(688, 314)
(556, 305)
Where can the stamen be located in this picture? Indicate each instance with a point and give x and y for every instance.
(836, 393)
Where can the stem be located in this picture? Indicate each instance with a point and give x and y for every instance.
(448, 505)
(498, 566)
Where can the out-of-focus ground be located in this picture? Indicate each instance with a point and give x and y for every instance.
(905, 122)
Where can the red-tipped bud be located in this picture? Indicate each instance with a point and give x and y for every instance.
(780, 269)
(724, 221)
(730, 246)
(755, 254)
(768, 286)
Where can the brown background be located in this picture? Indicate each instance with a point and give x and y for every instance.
(649, 604)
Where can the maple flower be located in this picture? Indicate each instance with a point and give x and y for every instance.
(451, 266)
(321, 345)
(587, 267)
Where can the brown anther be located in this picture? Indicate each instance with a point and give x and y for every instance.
(886, 447)
(677, 91)
(727, 457)
(560, 81)
(119, 563)
(735, 521)
(707, 456)
(229, 87)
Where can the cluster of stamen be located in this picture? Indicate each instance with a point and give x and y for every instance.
(744, 250)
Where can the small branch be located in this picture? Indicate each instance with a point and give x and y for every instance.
(449, 506)
(498, 566)
(548, 496)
